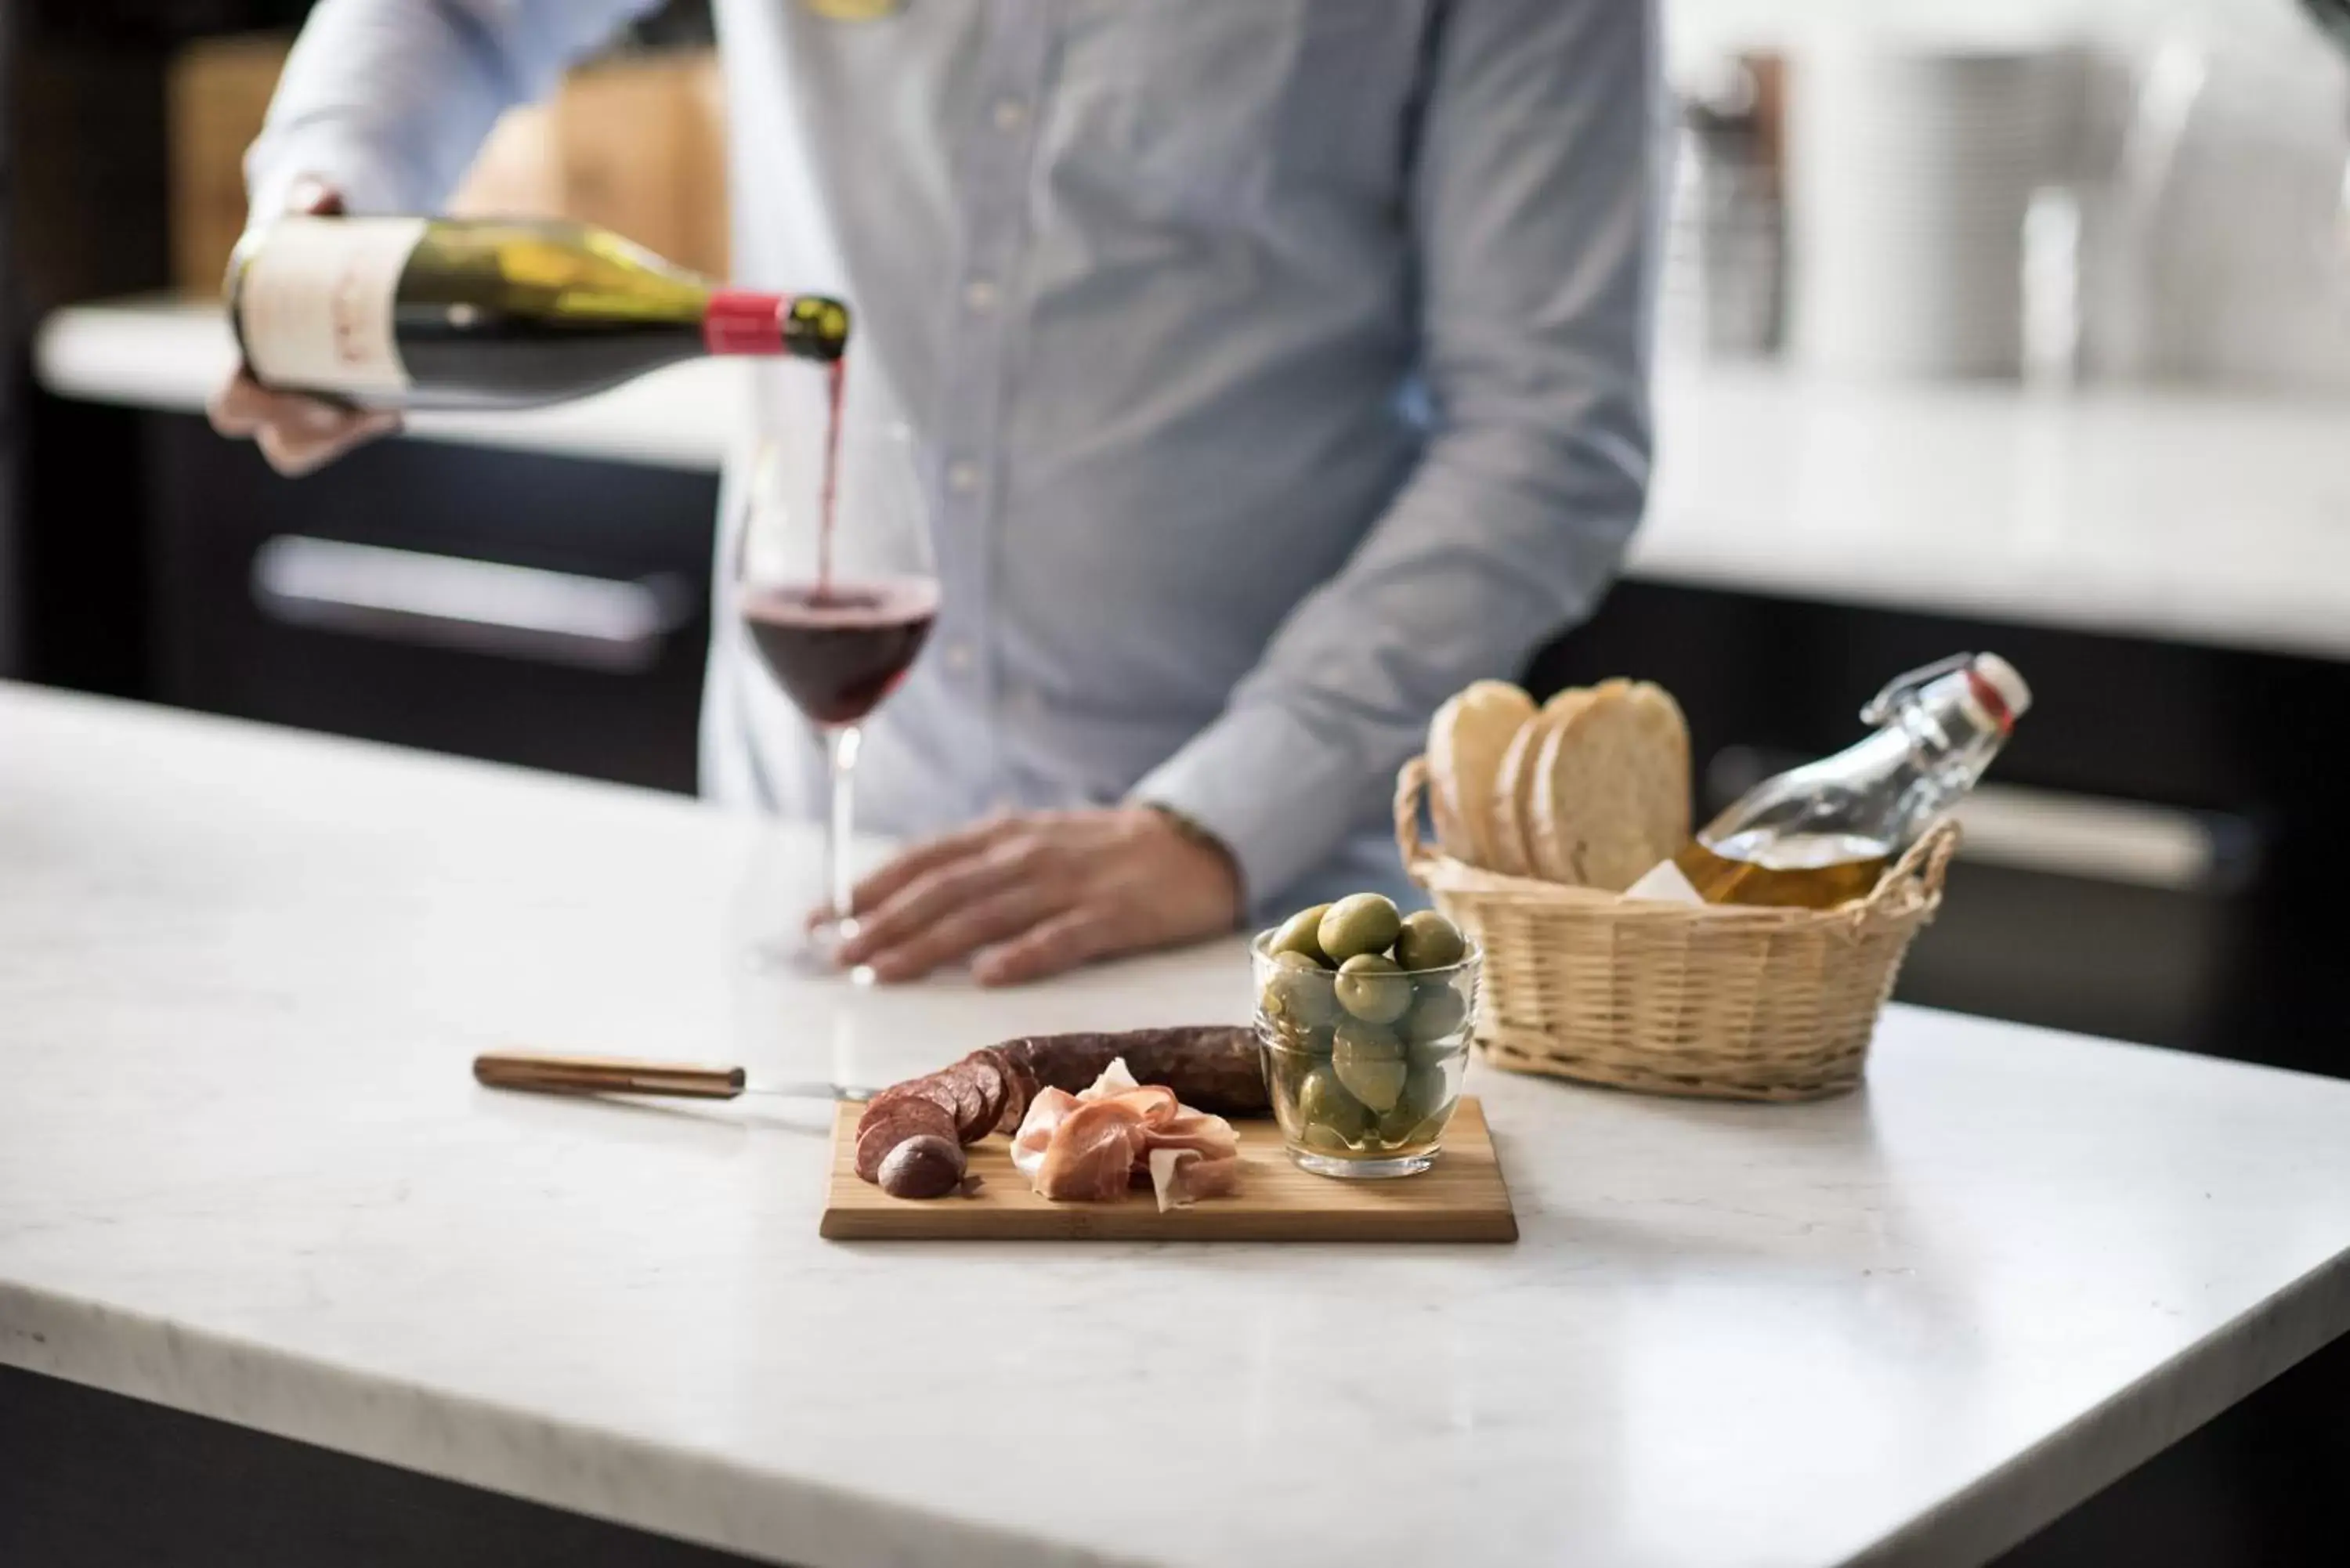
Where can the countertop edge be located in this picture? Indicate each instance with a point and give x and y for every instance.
(2073, 1464)
(1986, 551)
(686, 1494)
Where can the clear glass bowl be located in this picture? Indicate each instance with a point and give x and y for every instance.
(1364, 1083)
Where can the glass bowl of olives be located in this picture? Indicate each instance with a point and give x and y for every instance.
(1363, 1014)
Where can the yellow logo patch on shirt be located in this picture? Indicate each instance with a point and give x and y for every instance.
(854, 10)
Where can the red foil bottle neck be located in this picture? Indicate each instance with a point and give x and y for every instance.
(741, 322)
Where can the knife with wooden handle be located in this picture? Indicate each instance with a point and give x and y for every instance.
(558, 1074)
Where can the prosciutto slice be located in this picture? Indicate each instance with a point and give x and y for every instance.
(1093, 1153)
(1184, 1176)
(1092, 1146)
(1045, 1113)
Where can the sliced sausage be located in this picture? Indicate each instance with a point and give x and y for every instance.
(1019, 1086)
(911, 1116)
(926, 1167)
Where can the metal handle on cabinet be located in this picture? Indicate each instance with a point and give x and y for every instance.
(480, 606)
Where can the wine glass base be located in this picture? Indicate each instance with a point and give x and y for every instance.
(816, 956)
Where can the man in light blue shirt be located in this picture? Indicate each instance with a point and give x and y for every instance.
(1278, 367)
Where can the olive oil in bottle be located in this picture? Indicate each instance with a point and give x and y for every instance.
(1820, 835)
(1808, 871)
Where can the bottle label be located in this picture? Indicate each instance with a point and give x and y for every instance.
(316, 304)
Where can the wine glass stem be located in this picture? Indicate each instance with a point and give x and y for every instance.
(839, 879)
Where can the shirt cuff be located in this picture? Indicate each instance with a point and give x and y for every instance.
(1280, 797)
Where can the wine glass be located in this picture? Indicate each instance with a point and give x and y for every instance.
(838, 590)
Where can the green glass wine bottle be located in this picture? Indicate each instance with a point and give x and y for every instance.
(479, 313)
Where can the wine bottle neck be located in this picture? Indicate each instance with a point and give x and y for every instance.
(807, 327)
(739, 321)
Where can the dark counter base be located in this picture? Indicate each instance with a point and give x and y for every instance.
(91, 1480)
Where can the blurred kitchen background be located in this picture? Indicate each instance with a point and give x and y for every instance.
(2020, 326)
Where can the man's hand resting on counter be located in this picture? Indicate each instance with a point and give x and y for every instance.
(1026, 896)
(296, 434)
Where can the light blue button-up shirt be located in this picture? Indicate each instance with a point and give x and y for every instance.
(1277, 367)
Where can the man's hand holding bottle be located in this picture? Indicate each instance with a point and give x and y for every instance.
(296, 434)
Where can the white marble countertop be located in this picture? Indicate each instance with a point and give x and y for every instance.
(2202, 516)
(243, 1172)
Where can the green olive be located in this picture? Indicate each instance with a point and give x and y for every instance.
(1373, 988)
(1298, 994)
(1326, 1137)
(1438, 1010)
(1428, 941)
(1286, 1071)
(1301, 1043)
(1369, 1062)
(1429, 1090)
(1398, 1130)
(1298, 934)
(1358, 923)
(1398, 1126)
(1322, 1102)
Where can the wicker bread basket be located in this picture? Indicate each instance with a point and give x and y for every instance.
(1718, 1001)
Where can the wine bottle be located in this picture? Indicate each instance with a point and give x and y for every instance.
(488, 312)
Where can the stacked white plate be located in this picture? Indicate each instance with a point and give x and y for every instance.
(1910, 169)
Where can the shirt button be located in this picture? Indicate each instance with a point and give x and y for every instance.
(962, 476)
(979, 295)
(1011, 114)
(958, 657)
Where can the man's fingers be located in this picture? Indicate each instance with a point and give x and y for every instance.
(928, 899)
(990, 919)
(294, 433)
(299, 444)
(241, 407)
(313, 195)
(901, 873)
(1065, 942)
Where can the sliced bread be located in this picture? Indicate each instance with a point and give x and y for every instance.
(1516, 784)
(1610, 790)
(1465, 746)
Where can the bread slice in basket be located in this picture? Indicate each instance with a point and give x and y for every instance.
(1466, 742)
(1517, 781)
(1607, 792)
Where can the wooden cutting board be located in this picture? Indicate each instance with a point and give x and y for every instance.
(1463, 1198)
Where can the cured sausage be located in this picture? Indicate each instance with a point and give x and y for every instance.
(1214, 1068)
(1210, 1068)
(884, 1126)
(1019, 1084)
(925, 1166)
(993, 1089)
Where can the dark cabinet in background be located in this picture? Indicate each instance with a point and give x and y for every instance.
(379, 597)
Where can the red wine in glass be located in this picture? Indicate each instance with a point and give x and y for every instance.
(838, 651)
(838, 616)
